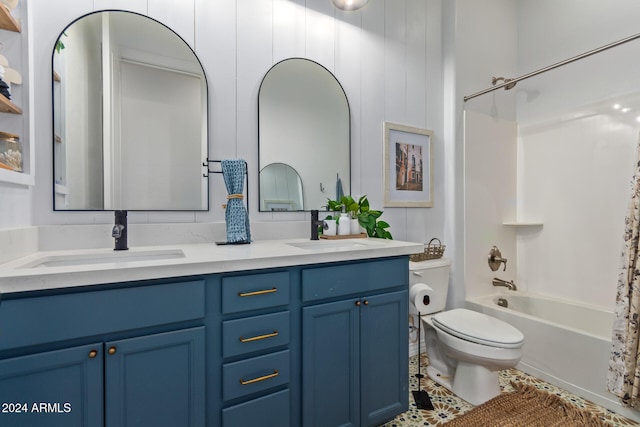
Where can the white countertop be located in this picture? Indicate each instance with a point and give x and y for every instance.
(20, 275)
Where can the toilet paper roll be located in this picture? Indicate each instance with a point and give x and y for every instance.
(422, 296)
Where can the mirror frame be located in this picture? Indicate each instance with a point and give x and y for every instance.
(306, 209)
(206, 122)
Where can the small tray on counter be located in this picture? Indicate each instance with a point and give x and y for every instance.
(344, 236)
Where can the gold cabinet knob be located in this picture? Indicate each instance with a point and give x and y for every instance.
(358, 303)
(112, 350)
(92, 354)
(366, 302)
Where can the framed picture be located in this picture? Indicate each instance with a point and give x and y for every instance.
(407, 166)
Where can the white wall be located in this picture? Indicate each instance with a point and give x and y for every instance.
(575, 176)
(490, 199)
(387, 57)
(574, 151)
(480, 43)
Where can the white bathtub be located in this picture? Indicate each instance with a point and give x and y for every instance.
(566, 344)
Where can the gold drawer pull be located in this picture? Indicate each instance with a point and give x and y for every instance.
(260, 337)
(252, 294)
(256, 380)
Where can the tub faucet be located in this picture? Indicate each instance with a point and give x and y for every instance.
(509, 285)
(315, 222)
(119, 231)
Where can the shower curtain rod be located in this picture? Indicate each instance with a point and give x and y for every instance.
(551, 67)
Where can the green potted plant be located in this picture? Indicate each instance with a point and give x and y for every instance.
(367, 218)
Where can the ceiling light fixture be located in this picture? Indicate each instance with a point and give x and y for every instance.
(349, 4)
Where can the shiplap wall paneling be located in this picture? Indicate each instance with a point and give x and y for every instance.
(348, 71)
(179, 19)
(289, 29)
(215, 45)
(372, 102)
(254, 58)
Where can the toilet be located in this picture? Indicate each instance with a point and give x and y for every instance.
(466, 349)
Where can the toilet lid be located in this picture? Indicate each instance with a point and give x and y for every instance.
(478, 327)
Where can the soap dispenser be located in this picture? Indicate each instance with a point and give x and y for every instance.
(344, 225)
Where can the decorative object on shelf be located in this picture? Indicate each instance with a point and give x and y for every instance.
(432, 250)
(8, 76)
(7, 21)
(407, 166)
(10, 152)
(10, 4)
(4, 86)
(367, 218)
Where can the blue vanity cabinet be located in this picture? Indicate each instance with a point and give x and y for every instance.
(56, 388)
(128, 355)
(302, 345)
(150, 380)
(354, 347)
(156, 380)
(256, 354)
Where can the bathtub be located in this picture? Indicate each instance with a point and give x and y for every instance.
(565, 344)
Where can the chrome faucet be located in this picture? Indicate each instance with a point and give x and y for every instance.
(315, 223)
(509, 285)
(119, 231)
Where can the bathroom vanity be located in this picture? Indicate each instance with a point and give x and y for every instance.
(272, 334)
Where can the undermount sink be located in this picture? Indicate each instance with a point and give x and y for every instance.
(328, 244)
(104, 258)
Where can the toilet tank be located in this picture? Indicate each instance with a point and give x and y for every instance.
(435, 274)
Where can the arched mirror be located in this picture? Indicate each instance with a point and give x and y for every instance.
(129, 116)
(280, 188)
(304, 122)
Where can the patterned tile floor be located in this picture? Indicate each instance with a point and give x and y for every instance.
(448, 406)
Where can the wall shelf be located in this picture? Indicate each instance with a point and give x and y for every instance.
(523, 223)
(16, 177)
(6, 106)
(7, 21)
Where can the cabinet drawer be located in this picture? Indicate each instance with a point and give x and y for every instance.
(60, 317)
(250, 292)
(339, 280)
(254, 333)
(268, 411)
(255, 374)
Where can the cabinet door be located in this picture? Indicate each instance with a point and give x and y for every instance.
(156, 380)
(57, 388)
(331, 364)
(385, 357)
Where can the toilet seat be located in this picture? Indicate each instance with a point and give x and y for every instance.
(478, 328)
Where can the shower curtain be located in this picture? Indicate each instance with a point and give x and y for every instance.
(623, 378)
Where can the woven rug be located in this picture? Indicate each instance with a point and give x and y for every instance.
(526, 407)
